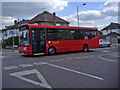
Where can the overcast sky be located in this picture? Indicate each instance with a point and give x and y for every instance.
(93, 14)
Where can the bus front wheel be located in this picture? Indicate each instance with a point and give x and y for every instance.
(51, 51)
(85, 47)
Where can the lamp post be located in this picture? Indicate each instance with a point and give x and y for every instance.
(78, 14)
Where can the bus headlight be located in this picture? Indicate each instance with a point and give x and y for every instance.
(25, 48)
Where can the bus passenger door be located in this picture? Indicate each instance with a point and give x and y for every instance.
(38, 41)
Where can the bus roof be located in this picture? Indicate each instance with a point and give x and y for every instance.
(50, 26)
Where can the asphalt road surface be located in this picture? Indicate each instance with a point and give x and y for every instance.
(97, 68)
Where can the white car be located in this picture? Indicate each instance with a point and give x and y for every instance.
(104, 43)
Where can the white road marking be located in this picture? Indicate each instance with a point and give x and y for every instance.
(91, 56)
(80, 57)
(5, 56)
(39, 63)
(113, 47)
(9, 67)
(106, 58)
(107, 48)
(26, 65)
(2, 56)
(83, 57)
(20, 75)
(105, 51)
(50, 61)
(60, 59)
(92, 76)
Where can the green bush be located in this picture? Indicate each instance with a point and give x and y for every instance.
(101, 36)
(9, 41)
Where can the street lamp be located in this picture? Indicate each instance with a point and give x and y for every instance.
(77, 12)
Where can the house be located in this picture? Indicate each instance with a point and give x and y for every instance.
(113, 38)
(44, 18)
(9, 31)
(113, 27)
(47, 18)
(112, 33)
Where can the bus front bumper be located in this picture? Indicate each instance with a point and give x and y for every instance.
(25, 52)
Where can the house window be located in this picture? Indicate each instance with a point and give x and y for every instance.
(110, 31)
(35, 23)
(107, 31)
(57, 24)
(10, 33)
(5, 33)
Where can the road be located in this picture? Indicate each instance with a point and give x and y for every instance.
(97, 68)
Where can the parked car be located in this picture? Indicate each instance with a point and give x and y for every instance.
(104, 43)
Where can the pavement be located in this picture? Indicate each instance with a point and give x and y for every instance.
(97, 68)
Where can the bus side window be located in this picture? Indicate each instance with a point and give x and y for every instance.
(52, 34)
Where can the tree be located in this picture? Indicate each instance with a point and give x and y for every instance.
(9, 41)
(101, 36)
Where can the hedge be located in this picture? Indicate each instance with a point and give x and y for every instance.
(9, 41)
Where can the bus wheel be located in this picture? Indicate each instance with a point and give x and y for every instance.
(51, 50)
(85, 47)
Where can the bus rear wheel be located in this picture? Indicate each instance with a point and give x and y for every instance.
(85, 47)
(51, 51)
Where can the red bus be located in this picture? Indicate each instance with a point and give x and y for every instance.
(41, 39)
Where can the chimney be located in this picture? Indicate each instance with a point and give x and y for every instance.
(54, 18)
(15, 22)
(23, 19)
(5, 27)
(53, 13)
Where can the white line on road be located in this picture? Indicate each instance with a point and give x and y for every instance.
(113, 47)
(92, 76)
(91, 56)
(2, 56)
(39, 63)
(60, 59)
(107, 48)
(26, 65)
(83, 57)
(9, 67)
(106, 58)
(105, 51)
(50, 61)
(21, 75)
